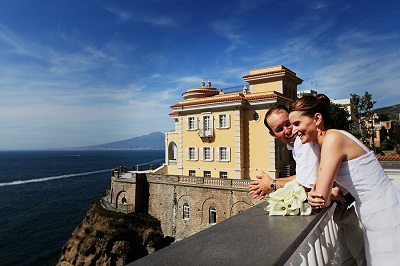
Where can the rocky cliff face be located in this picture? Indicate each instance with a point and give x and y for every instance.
(110, 238)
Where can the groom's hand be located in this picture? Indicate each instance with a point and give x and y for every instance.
(337, 194)
(261, 187)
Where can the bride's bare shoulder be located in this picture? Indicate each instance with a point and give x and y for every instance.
(344, 143)
(336, 139)
(335, 135)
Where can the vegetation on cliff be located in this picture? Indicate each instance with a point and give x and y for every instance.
(111, 238)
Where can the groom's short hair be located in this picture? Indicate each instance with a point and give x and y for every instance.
(271, 110)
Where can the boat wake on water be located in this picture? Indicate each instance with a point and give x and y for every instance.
(44, 179)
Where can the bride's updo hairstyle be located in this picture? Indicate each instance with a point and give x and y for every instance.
(309, 105)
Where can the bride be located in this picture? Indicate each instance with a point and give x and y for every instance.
(347, 161)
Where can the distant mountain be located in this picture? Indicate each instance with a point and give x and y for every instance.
(393, 111)
(152, 141)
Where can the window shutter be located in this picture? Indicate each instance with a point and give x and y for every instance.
(196, 156)
(195, 123)
(211, 123)
(228, 121)
(211, 153)
(217, 154)
(217, 121)
(201, 123)
(187, 123)
(187, 154)
(202, 154)
(228, 154)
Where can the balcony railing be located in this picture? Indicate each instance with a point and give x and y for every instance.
(254, 238)
(235, 89)
(209, 132)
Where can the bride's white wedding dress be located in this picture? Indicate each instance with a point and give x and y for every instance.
(377, 204)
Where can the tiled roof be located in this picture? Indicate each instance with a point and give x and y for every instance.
(235, 97)
(388, 157)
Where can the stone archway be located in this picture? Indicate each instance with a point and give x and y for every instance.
(239, 206)
(120, 199)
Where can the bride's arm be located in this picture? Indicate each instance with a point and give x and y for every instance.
(331, 156)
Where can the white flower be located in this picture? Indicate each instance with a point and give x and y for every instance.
(289, 200)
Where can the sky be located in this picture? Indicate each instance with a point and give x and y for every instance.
(78, 73)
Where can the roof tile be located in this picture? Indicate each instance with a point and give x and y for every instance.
(388, 157)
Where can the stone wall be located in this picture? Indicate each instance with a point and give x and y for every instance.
(163, 197)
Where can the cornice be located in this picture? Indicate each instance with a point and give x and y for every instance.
(233, 102)
(273, 74)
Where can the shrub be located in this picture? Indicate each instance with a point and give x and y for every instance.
(88, 230)
(115, 224)
(99, 234)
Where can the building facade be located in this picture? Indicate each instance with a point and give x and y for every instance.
(223, 135)
(218, 145)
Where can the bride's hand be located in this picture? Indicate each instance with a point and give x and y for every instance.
(316, 200)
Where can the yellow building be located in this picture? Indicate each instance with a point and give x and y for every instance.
(220, 134)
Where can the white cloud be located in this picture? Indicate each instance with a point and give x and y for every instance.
(164, 21)
(228, 29)
(189, 80)
(122, 15)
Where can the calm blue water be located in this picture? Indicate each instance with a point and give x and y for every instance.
(44, 195)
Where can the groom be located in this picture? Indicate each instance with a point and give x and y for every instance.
(350, 234)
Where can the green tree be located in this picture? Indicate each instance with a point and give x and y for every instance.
(394, 134)
(392, 141)
(361, 111)
(356, 122)
(384, 117)
(340, 117)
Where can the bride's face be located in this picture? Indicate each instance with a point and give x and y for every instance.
(304, 127)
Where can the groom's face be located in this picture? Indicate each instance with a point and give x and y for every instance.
(281, 127)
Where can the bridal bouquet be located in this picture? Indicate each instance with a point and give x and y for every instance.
(289, 200)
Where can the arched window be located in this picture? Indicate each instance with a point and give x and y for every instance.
(213, 215)
(172, 151)
(186, 211)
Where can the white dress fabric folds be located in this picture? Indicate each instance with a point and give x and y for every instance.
(377, 203)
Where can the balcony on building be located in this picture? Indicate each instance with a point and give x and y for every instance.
(209, 132)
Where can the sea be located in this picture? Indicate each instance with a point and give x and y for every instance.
(44, 195)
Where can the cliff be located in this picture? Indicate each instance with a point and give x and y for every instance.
(110, 238)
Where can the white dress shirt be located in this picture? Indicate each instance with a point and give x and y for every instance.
(307, 162)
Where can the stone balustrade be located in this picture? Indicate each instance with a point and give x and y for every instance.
(188, 179)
